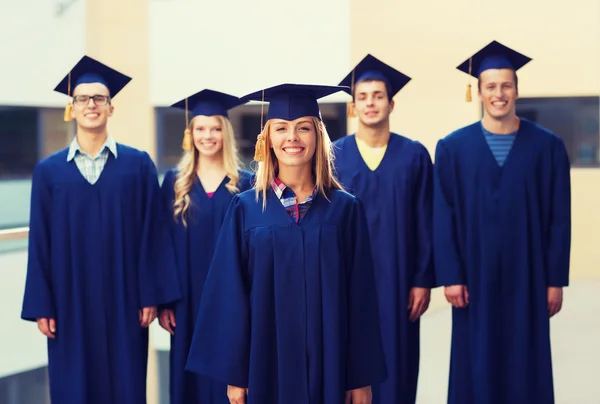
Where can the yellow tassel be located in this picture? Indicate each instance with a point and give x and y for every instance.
(351, 111)
(469, 98)
(68, 108)
(187, 143)
(259, 151)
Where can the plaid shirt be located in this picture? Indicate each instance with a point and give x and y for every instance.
(288, 199)
(91, 167)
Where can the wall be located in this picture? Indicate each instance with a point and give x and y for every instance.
(40, 49)
(427, 43)
(242, 46)
(22, 348)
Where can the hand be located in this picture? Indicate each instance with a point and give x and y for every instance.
(47, 326)
(236, 395)
(147, 316)
(166, 319)
(359, 396)
(457, 295)
(555, 299)
(418, 302)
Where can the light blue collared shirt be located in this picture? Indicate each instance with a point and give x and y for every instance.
(91, 167)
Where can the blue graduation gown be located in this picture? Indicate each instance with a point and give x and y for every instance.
(194, 246)
(96, 256)
(397, 196)
(290, 310)
(504, 232)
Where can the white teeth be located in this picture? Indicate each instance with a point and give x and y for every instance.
(293, 149)
(499, 103)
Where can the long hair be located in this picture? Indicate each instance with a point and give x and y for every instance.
(322, 162)
(188, 166)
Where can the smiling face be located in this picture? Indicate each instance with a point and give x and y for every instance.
(91, 106)
(498, 92)
(371, 102)
(207, 133)
(293, 142)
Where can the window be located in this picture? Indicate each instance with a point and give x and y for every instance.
(26, 387)
(575, 119)
(170, 125)
(19, 140)
(56, 133)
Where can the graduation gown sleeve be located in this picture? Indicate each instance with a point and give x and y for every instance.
(38, 300)
(366, 363)
(425, 273)
(157, 273)
(559, 245)
(449, 267)
(221, 344)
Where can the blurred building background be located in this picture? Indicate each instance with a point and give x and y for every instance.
(173, 48)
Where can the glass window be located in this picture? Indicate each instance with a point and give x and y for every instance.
(163, 376)
(56, 133)
(27, 135)
(575, 119)
(19, 140)
(26, 387)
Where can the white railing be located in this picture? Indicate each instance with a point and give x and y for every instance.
(16, 233)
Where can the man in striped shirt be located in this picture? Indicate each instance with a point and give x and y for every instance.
(502, 233)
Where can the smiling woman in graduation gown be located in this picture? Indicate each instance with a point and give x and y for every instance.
(210, 150)
(97, 257)
(503, 231)
(289, 309)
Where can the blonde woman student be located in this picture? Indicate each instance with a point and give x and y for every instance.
(289, 314)
(196, 195)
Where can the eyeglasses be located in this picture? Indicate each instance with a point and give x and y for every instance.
(83, 100)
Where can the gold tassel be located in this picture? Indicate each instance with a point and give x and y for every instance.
(350, 107)
(259, 151)
(351, 111)
(260, 147)
(187, 143)
(68, 108)
(469, 97)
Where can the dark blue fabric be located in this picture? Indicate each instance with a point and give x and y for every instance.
(97, 254)
(290, 310)
(194, 246)
(397, 196)
(505, 233)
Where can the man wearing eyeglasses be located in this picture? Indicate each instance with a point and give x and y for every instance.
(99, 262)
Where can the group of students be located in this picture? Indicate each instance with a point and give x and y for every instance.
(304, 281)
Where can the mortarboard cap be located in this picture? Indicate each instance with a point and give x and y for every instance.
(208, 103)
(289, 102)
(492, 56)
(89, 70)
(293, 101)
(371, 68)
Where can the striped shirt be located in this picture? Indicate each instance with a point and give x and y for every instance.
(91, 167)
(500, 145)
(286, 195)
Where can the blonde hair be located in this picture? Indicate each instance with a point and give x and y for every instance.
(188, 165)
(322, 162)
